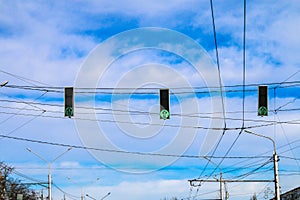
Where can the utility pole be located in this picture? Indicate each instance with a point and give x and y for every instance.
(221, 190)
(275, 160)
(193, 181)
(49, 168)
(49, 182)
(226, 191)
(276, 176)
(277, 188)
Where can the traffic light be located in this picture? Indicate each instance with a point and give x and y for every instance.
(69, 102)
(164, 104)
(262, 100)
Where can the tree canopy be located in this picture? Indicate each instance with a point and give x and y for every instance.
(11, 188)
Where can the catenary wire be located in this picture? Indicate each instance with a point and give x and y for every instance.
(59, 89)
(24, 79)
(244, 76)
(113, 150)
(292, 122)
(136, 112)
(289, 145)
(220, 82)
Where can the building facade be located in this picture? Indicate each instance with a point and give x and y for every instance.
(293, 194)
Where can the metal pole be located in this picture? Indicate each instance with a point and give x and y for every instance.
(275, 160)
(221, 192)
(82, 194)
(226, 192)
(49, 169)
(277, 189)
(49, 182)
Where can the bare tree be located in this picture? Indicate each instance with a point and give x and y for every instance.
(10, 187)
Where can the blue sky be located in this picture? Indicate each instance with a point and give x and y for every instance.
(48, 45)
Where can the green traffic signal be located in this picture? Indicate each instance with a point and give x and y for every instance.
(69, 112)
(262, 100)
(164, 99)
(164, 114)
(69, 102)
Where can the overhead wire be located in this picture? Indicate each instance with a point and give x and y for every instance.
(278, 148)
(292, 148)
(113, 150)
(288, 142)
(39, 182)
(266, 124)
(220, 84)
(244, 77)
(26, 122)
(245, 166)
(242, 176)
(279, 108)
(71, 196)
(24, 79)
(285, 81)
(136, 112)
(153, 90)
(31, 103)
(291, 158)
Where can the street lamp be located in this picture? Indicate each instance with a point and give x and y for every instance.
(275, 160)
(81, 188)
(91, 197)
(82, 193)
(101, 198)
(105, 196)
(3, 84)
(209, 160)
(49, 168)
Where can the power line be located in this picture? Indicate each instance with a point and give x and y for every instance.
(289, 145)
(66, 193)
(24, 79)
(291, 158)
(266, 124)
(248, 165)
(219, 73)
(244, 85)
(114, 151)
(146, 113)
(244, 62)
(153, 90)
(28, 121)
(38, 182)
(218, 62)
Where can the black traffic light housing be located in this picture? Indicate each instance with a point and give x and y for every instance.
(262, 100)
(164, 98)
(69, 101)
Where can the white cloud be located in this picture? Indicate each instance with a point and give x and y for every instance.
(139, 190)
